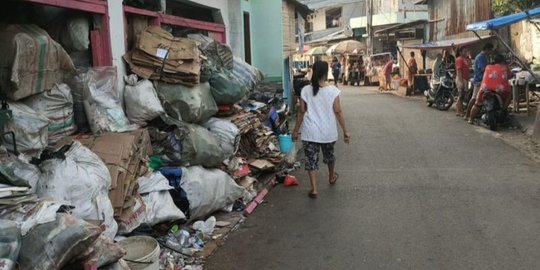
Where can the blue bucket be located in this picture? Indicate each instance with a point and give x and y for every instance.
(285, 143)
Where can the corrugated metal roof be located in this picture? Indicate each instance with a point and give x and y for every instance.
(317, 4)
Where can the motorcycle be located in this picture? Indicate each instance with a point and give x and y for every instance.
(493, 112)
(440, 92)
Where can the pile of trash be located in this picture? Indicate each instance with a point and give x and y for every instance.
(91, 170)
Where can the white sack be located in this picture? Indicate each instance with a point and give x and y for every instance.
(57, 105)
(142, 102)
(208, 190)
(83, 180)
(227, 133)
(29, 126)
(160, 206)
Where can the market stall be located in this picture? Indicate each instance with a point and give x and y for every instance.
(497, 23)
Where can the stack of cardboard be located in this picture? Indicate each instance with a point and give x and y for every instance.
(160, 56)
(245, 121)
(125, 155)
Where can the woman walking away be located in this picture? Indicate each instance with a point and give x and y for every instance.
(320, 111)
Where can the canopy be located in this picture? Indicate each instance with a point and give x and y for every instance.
(400, 27)
(501, 22)
(446, 44)
(349, 46)
(320, 50)
(330, 50)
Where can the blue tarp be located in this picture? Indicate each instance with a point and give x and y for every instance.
(500, 22)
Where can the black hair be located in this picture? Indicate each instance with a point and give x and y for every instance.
(488, 47)
(458, 52)
(412, 53)
(499, 59)
(320, 71)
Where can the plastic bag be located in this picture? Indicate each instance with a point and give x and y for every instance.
(83, 180)
(76, 35)
(101, 103)
(76, 84)
(192, 105)
(102, 252)
(247, 73)
(160, 206)
(227, 132)
(57, 105)
(29, 215)
(226, 88)
(52, 245)
(30, 128)
(24, 170)
(142, 102)
(208, 190)
(201, 147)
(10, 244)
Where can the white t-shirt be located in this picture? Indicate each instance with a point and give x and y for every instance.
(320, 124)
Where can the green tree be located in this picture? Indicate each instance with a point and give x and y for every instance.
(505, 7)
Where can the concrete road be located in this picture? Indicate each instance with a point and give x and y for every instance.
(419, 189)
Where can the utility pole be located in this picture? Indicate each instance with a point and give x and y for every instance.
(369, 26)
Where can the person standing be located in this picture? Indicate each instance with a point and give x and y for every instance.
(336, 69)
(480, 63)
(413, 70)
(387, 70)
(320, 112)
(436, 68)
(462, 80)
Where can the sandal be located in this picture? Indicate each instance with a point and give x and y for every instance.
(312, 195)
(336, 177)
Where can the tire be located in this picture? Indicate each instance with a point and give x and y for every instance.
(492, 120)
(445, 101)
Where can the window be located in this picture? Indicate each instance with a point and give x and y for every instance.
(333, 18)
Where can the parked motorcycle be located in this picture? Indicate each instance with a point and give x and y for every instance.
(440, 92)
(493, 112)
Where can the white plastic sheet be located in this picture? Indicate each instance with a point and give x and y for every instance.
(160, 206)
(208, 190)
(142, 102)
(29, 126)
(83, 180)
(102, 105)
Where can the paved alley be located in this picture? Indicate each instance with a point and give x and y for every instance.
(418, 189)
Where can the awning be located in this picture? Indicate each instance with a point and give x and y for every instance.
(400, 27)
(446, 44)
(500, 22)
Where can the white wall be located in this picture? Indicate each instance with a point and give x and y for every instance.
(223, 6)
(118, 42)
(319, 20)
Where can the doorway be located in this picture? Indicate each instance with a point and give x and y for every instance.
(247, 38)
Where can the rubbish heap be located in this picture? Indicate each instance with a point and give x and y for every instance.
(90, 168)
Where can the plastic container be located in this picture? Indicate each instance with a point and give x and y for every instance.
(142, 252)
(285, 143)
